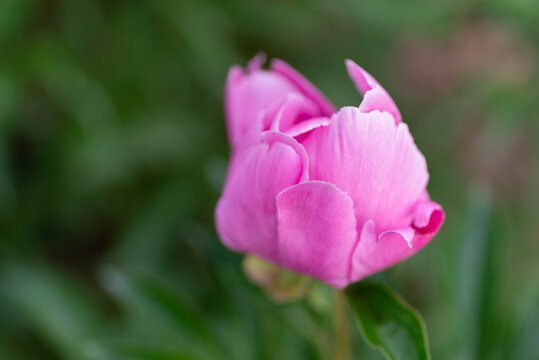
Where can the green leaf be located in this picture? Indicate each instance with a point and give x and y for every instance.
(388, 323)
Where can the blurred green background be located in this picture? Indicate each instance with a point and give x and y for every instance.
(113, 152)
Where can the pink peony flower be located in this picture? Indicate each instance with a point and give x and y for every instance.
(337, 195)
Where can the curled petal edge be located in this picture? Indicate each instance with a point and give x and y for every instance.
(237, 218)
(289, 110)
(375, 97)
(428, 217)
(375, 253)
(269, 137)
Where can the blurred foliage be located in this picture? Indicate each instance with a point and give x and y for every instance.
(113, 151)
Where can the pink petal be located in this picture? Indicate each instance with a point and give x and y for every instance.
(256, 62)
(233, 81)
(306, 87)
(246, 214)
(294, 109)
(317, 231)
(375, 253)
(305, 126)
(374, 161)
(375, 97)
(247, 97)
(428, 217)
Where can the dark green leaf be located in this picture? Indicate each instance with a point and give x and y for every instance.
(388, 323)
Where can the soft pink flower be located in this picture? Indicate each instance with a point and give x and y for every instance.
(337, 195)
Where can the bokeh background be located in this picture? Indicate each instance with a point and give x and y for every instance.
(113, 152)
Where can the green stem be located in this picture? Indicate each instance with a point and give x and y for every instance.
(342, 326)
